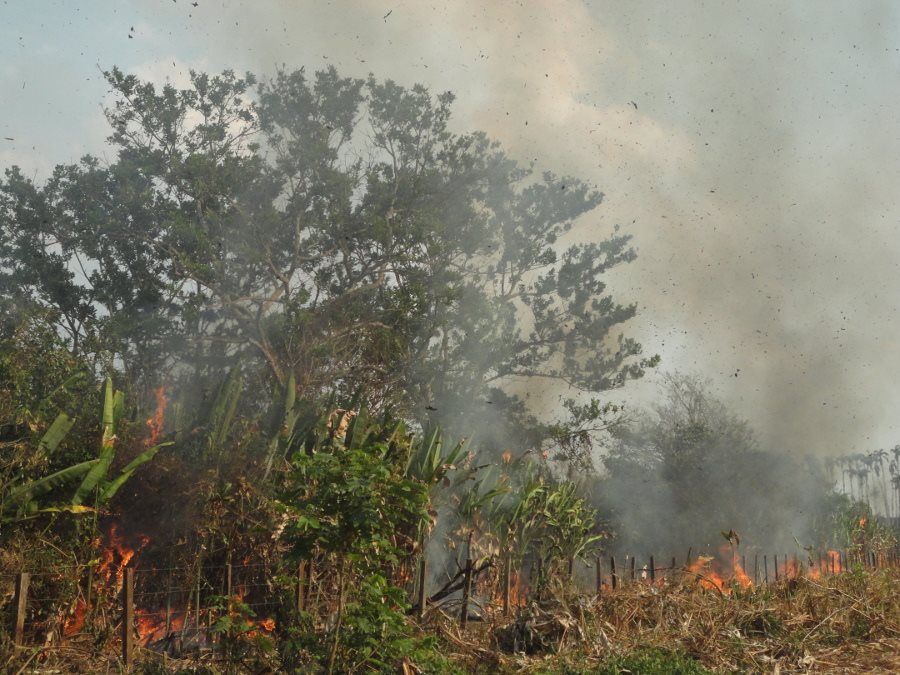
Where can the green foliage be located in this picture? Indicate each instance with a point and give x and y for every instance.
(642, 661)
(376, 637)
(352, 502)
(242, 642)
(239, 221)
(19, 499)
(351, 499)
(651, 661)
(543, 517)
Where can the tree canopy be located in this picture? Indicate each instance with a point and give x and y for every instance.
(335, 231)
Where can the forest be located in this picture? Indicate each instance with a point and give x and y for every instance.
(299, 378)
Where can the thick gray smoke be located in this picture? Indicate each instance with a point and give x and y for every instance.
(752, 149)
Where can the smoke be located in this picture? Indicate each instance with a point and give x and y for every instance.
(751, 150)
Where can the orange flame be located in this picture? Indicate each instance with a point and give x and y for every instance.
(75, 622)
(117, 555)
(740, 575)
(155, 424)
(516, 592)
(708, 577)
(152, 625)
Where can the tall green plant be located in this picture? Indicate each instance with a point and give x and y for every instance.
(21, 500)
(349, 498)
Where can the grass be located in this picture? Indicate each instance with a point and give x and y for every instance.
(847, 623)
(851, 622)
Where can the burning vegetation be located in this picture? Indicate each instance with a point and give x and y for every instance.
(358, 313)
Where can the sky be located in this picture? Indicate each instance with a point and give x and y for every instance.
(751, 149)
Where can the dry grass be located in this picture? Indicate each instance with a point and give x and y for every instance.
(844, 624)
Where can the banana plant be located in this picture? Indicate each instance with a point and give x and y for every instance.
(283, 437)
(21, 500)
(222, 414)
(429, 462)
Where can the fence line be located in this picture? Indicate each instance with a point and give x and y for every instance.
(831, 563)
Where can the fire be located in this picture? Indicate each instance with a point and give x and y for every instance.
(862, 522)
(155, 424)
(507, 457)
(75, 622)
(117, 555)
(740, 575)
(709, 578)
(114, 558)
(154, 626)
(515, 590)
(727, 571)
(831, 564)
(721, 574)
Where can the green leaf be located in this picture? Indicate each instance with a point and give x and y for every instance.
(109, 419)
(97, 473)
(56, 433)
(47, 483)
(110, 489)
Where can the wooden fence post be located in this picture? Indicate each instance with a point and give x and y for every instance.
(20, 602)
(298, 596)
(507, 583)
(423, 579)
(467, 586)
(632, 569)
(652, 570)
(613, 577)
(599, 574)
(310, 575)
(766, 567)
(756, 569)
(128, 618)
(674, 566)
(169, 604)
(775, 559)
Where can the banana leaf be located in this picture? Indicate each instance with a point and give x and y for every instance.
(109, 406)
(66, 508)
(224, 409)
(358, 432)
(56, 433)
(97, 473)
(53, 481)
(118, 408)
(110, 489)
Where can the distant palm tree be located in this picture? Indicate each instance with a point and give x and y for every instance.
(878, 457)
(842, 462)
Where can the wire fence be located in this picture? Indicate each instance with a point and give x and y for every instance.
(169, 607)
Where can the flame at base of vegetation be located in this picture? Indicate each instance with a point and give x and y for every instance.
(727, 572)
(156, 423)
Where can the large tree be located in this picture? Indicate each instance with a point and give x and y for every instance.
(691, 469)
(335, 230)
